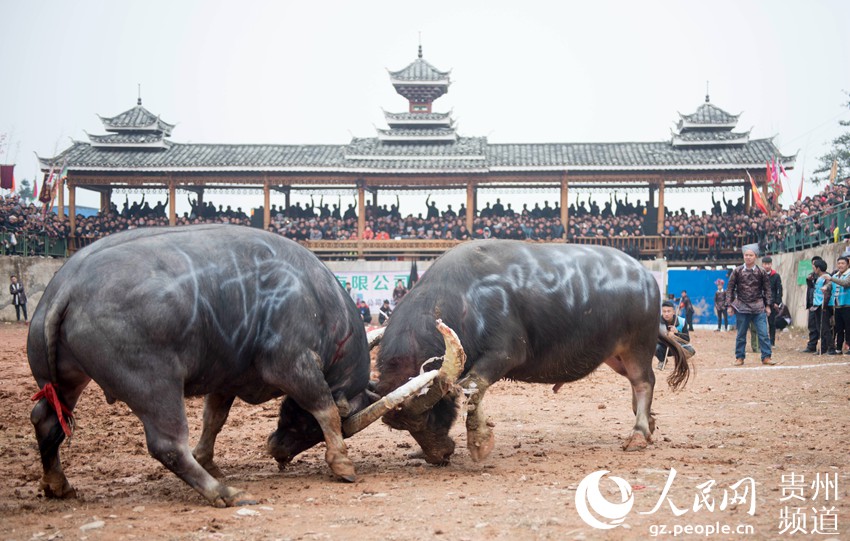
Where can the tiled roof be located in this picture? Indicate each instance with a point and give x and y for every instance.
(365, 148)
(626, 156)
(468, 153)
(708, 115)
(419, 134)
(416, 116)
(420, 70)
(710, 137)
(144, 139)
(137, 118)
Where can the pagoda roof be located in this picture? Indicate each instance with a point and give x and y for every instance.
(708, 115)
(418, 119)
(136, 119)
(420, 71)
(709, 137)
(132, 140)
(418, 134)
(369, 148)
(467, 154)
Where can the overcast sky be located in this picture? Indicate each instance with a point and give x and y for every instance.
(314, 72)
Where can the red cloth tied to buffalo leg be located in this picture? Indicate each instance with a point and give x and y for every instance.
(48, 392)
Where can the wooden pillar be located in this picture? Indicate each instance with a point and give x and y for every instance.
(72, 208)
(104, 201)
(565, 210)
(361, 208)
(375, 199)
(60, 194)
(747, 197)
(660, 205)
(470, 205)
(267, 211)
(172, 203)
(286, 195)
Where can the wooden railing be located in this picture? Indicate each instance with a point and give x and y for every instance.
(679, 251)
(686, 250)
(30, 243)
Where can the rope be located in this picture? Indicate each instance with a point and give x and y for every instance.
(48, 392)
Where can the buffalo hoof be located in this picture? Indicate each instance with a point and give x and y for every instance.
(343, 468)
(480, 446)
(234, 498)
(62, 490)
(636, 442)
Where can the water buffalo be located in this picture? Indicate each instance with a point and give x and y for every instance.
(154, 315)
(541, 313)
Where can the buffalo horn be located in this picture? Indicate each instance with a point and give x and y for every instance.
(450, 371)
(446, 376)
(374, 337)
(369, 415)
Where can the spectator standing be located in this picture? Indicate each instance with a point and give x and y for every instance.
(748, 298)
(19, 298)
(775, 295)
(813, 323)
(821, 310)
(841, 302)
(399, 292)
(687, 307)
(720, 306)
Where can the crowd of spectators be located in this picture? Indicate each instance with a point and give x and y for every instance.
(726, 226)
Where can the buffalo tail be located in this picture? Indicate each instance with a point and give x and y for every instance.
(681, 369)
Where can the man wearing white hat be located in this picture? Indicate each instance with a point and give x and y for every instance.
(748, 298)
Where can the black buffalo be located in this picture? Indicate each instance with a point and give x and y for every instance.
(154, 315)
(541, 313)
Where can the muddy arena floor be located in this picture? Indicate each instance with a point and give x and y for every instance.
(784, 431)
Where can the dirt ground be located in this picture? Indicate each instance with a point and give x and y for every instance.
(729, 424)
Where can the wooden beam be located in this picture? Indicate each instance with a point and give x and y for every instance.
(361, 209)
(267, 212)
(72, 208)
(60, 195)
(470, 205)
(172, 203)
(565, 211)
(660, 225)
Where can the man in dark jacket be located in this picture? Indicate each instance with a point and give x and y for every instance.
(775, 295)
(748, 298)
(813, 322)
(677, 329)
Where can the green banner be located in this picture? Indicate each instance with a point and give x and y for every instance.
(804, 268)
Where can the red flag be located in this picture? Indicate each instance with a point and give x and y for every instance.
(800, 189)
(35, 189)
(757, 196)
(45, 186)
(7, 177)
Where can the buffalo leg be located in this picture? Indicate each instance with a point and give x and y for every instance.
(479, 436)
(49, 434)
(305, 383)
(216, 409)
(167, 435)
(642, 379)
